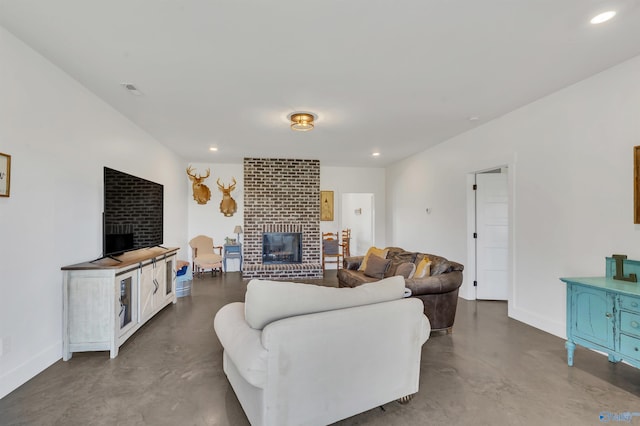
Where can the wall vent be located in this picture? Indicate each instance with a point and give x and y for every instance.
(132, 89)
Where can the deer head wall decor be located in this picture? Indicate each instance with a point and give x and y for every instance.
(228, 205)
(201, 192)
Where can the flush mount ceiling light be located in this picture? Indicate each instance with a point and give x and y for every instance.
(301, 121)
(603, 17)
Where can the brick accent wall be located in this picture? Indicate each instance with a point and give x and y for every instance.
(281, 195)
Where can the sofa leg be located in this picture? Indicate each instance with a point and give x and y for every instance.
(405, 399)
(450, 330)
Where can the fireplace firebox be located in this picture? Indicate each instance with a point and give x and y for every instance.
(281, 247)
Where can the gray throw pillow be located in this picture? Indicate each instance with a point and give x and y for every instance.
(406, 269)
(376, 266)
(441, 268)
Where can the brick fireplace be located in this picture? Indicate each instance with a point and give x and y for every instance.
(281, 195)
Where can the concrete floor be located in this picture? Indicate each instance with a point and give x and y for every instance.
(491, 371)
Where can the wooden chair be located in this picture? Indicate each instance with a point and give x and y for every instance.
(331, 249)
(204, 255)
(346, 242)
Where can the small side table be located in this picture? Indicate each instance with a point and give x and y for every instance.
(232, 251)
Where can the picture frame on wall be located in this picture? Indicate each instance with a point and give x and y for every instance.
(636, 184)
(5, 175)
(326, 206)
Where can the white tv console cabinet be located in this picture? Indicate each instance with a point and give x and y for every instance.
(106, 301)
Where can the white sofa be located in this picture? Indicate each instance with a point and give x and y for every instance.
(301, 354)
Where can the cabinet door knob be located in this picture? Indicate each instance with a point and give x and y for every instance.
(608, 315)
(634, 324)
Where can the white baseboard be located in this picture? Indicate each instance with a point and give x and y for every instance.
(18, 376)
(552, 327)
(467, 292)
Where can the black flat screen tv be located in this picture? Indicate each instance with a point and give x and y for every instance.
(133, 213)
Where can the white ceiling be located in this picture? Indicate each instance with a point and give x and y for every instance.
(396, 76)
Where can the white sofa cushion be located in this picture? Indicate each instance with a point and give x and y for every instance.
(268, 301)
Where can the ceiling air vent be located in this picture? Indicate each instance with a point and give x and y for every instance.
(132, 89)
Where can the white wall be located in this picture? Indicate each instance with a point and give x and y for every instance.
(60, 136)
(342, 180)
(570, 158)
(206, 219)
(357, 215)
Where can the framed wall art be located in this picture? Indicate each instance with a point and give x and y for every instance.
(326, 205)
(636, 184)
(5, 174)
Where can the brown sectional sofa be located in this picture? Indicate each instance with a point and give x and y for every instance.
(438, 291)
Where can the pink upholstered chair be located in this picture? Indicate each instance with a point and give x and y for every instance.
(204, 255)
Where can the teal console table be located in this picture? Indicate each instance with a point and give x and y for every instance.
(232, 251)
(604, 314)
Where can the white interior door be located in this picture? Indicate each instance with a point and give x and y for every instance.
(358, 215)
(492, 244)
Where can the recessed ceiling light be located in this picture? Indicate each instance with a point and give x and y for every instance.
(213, 148)
(376, 154)
(132, 89)
(474, 118)
(603, 17)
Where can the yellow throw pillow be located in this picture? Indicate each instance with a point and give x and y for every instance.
(423, 269)
(373, 251)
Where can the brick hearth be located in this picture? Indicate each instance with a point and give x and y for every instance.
(281, 195)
